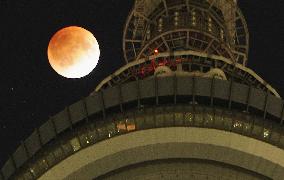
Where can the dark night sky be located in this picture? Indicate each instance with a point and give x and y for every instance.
(31, 91)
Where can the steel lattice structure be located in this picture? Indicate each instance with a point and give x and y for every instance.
(213, 27)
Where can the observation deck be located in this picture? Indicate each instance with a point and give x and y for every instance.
(142, 105)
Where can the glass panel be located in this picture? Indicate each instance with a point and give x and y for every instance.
(178, 118)
(50, 159)
(241, 123)
(75, 144)
(281, 142)
(257, 129)
(218, 119)
(114, 125)
(247, 128)
(130, 121)
(121, 126)
(28, 176)
(84, 139)
(39, 167)
(208, 117)
(111, 129)
(266, 133)
(67, 148)
(140, 119)
(58, 154)
(160, 120)
(178, 115)
(228, 122)
(188, 116)
(20, 177)
(32, 171)
(168, 117)
(35, 171)
(275, 135)
(237, 126)
(102, 132)
(130, 124)
(43, 164)
(198, 117)
(93, 135)
(149, 119)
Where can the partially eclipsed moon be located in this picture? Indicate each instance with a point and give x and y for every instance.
(73, 52)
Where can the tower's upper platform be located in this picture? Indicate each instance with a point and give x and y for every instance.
(215, 27)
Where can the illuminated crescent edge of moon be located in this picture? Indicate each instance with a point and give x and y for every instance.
(88, 60)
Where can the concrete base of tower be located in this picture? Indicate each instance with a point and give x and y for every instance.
(182, 152)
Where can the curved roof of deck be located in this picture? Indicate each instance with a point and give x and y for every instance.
(177, 90)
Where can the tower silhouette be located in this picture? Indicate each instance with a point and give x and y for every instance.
(184, 106)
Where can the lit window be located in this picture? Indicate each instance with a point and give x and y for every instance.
(121, 126)
(189, 116)
(176, 18)
(266, 133)
(44, 164)
(75, 144)
(246, 127)
(209, 24)
(130, 125)
(237, 125)
(193, 14)
(160, 25)
(32, 171)
(222, 34)
(208, 118)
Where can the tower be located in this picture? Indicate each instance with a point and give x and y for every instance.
(185, 106)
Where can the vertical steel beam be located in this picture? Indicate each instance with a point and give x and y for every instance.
(212, 91)
(138, 93)
(193, 90)
(248, 98)
(103, 104)
(187, 5)
(69, 117)
(79, 140)
(85, 109)
(175, 88)
(25, 149)
(193, 98)
(230, 93)
(265, 104)
(166, 7)
(39, 137)
(156, 86)
(120, 99)
(54, 126)
(62, 149)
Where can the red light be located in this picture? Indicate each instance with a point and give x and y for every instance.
(156, 51)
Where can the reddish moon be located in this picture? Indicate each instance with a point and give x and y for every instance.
(73, 52)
